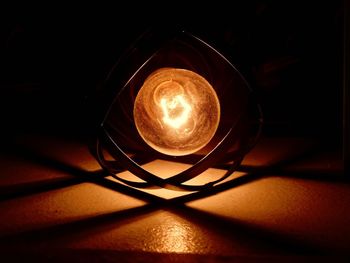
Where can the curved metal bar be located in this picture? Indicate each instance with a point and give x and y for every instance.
(176, 182)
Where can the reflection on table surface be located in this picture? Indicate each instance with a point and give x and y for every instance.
(289, 200)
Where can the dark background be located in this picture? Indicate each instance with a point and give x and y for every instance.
(290, 52)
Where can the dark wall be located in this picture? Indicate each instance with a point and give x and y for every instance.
(290, 52)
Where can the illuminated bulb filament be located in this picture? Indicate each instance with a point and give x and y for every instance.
(176, 105)
(176, 111)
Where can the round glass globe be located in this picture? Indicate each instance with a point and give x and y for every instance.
(176, 111)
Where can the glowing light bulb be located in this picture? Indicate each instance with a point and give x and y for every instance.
(176, 111)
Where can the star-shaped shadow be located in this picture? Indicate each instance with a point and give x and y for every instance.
(242, 231)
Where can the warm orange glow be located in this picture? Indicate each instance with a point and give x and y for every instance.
(174, 235)
(176, 111)
(178, 103)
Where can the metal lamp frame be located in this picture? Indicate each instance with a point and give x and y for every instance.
(219, 154)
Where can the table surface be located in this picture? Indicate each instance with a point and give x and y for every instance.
(290, 201)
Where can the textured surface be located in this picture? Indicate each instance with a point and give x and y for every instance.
(52, 208)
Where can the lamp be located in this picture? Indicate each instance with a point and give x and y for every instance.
(173, 97)
(176, 111)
